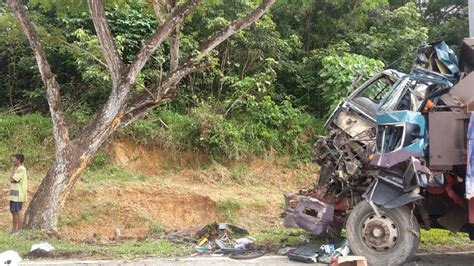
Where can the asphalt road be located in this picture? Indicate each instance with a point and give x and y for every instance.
(463, 258)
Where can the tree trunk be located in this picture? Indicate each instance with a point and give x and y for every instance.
(44, 209)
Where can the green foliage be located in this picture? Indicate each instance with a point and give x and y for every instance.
(239, 174)
(155, 229)
(339, 73)
(110, 172)
(28, 134)
(391, 36)
(228, 208)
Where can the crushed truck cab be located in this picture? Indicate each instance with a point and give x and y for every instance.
(344, 157)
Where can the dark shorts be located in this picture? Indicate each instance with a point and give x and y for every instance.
(15, 206)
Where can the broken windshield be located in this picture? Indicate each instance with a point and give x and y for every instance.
(408, 94)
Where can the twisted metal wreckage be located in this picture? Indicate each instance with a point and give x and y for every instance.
(396, 157)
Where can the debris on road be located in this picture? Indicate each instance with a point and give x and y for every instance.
(285, 251)
(332, 257)
(325, 253)
(219, 238)
(306, 254)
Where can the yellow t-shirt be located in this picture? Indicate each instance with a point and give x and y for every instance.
(18, 190)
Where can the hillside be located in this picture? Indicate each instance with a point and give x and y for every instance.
(138, 188)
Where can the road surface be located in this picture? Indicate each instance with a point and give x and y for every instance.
(461, 258)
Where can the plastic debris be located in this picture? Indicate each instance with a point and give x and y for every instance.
(285, 251)
(243, 243)
(10, 257)
(43, 246)
(342, 251)
(202, 249)
(306, 254)
(328, 249)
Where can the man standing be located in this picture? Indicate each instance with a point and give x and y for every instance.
(18, 191)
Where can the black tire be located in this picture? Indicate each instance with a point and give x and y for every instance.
(402, 247)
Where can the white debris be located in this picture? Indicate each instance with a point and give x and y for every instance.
(43, 246)
(10, 257)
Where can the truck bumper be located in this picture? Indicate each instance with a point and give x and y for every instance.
(307, 213)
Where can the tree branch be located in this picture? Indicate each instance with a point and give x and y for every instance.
(157, 6)
(150, 45)
(232, 28)
(174, 41)
(112, 57)
(60, 130)
(139, 104)
(73, 46)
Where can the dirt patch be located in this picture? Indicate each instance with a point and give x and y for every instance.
(173, 195)
(150, 160)
(98, 214)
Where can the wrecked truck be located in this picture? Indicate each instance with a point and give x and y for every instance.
(344, 160)
(417, 172)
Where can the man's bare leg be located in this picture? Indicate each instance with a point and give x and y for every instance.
(14, 223)
(19, 221)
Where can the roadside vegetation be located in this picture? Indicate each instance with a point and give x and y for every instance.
(433, 241)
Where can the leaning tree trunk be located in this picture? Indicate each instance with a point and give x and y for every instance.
(43, 211)
(123, 106)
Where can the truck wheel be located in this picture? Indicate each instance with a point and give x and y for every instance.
(390, 239)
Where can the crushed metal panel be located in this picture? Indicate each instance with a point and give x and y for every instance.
(462, 94)
(353, 124)
(447, 141)
(309, 214)
(467, 55)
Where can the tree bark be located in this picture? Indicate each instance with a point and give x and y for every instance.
(122, 107)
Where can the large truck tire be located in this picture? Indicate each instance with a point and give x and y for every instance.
(390, 239)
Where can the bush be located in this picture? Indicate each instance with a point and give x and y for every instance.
(28, 134)
(339, 73)
(254, 127)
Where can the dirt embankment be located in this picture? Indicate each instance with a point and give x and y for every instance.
(166, 193)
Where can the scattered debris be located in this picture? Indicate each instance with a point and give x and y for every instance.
(285, 251)
(243, 243)
(218, 238)
(328, 249)
(332, 257)
(43, 246)
(41, 250)
(306, 254)
(310, 254)
(10, 257)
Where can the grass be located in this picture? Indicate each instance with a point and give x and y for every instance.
(125, 250)
(240, 174)
(438, 239)
(155, 229)
(112, 172)
(228, 208)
